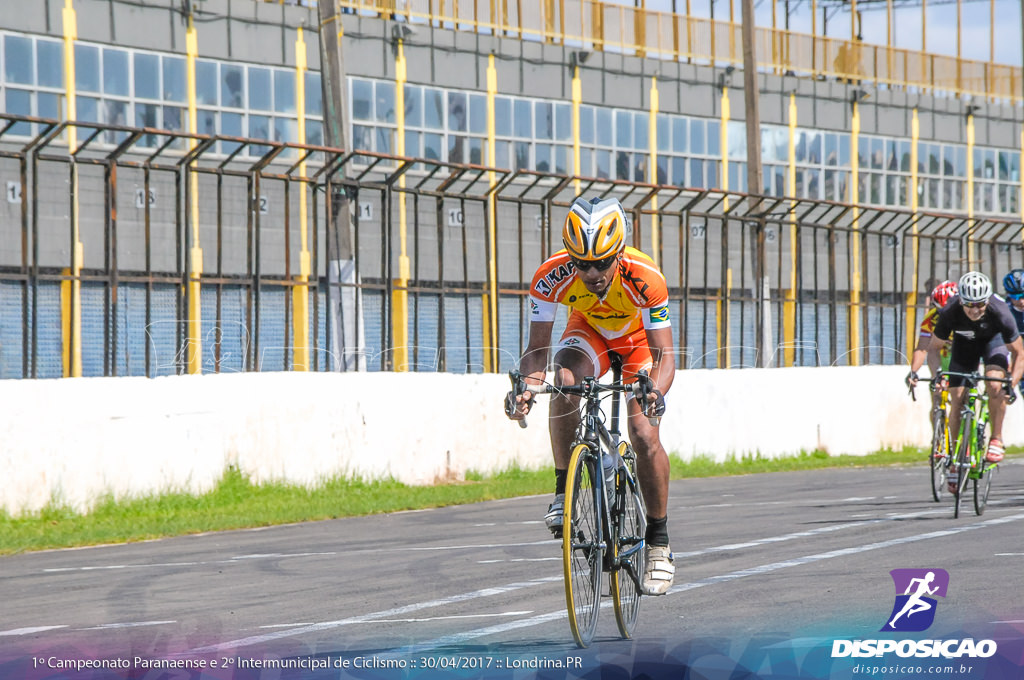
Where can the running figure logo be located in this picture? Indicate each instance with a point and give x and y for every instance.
(914, 610)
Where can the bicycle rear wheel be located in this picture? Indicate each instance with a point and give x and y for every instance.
(939, 456)
(582, 553)
(630, 525)
(982, 485)
(963, 460)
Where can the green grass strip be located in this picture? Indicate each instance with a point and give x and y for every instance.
(236, 503)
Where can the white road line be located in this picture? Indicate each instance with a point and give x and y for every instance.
(28, 631)
(522, 559)
(135, 624)
(316, 627)
(460, 638)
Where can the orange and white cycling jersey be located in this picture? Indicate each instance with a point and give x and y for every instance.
(636, 298)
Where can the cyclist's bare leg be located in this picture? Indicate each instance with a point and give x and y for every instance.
(652, 461)
(956, 402)
(996, 400)
(571, 366)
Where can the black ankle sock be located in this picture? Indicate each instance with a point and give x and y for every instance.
(657, 531)
(560, 476)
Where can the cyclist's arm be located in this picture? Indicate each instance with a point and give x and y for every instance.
(1017, 358)
(535, 358)
(662, 350)
(917, 359)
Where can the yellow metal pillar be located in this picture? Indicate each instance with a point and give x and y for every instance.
(853, 317)
(194, 341)
(723, 138)
(653, 172)
(71, 290)
(400, 289)
(300, 292)
(491, 299)
(915, 135)
(789, 305)
(577, 100)
(971, 261)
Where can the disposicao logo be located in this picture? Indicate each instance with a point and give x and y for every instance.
(914, 609)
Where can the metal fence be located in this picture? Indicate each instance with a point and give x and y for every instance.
(148, 252)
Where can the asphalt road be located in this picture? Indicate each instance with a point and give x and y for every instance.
(783, 560)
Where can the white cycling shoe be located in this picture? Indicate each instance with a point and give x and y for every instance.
(553, 519)
(659, 572)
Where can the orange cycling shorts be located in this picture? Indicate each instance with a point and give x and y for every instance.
(633, 347)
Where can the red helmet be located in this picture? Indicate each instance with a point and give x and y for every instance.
(943, 292)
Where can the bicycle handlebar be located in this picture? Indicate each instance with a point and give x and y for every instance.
(640, 389)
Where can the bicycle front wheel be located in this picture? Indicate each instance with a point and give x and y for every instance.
(628, 547)
(939, 456)
(963, 460)
(582, 552)
(982, 485)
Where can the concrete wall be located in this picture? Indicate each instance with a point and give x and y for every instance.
(76, 440)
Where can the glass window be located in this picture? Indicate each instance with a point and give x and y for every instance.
(1004, 165)
(19, 102)
(148, 115)
(679, 137)
(478, 114)
(175, 89)
(522, 155)
(314, 94)
(50, 56)
(476, 149)
(115, 112)
(412, 144)
(543, 157)
(18, 60)
(458, 113)
(563, 122)
(697, 141)
(814, 147)
(523, 121)
(586, 168)
(831, 150)
(87, 109)
(501, 154)
(624, 131)
(623, 161)
(385, 102)
(207, 123)
(385, 140)
(259, 89)
(362, 100)
(456, 149)
(433, 109)
(284, 92)
(697, 171)
(413, 106)
(115, 72)
(231, 126)
(206, 83)
(586, 125)
(232, 89)
(844, 150)
(641, 123)
(904, 151)
(175, 118)
(737, 130)
(432, 147)
(503, 118)
(877, 154)
(678, 171)
(604, 127)
(544, 116)
(286, 130)
(604, 164)
(48, 105)
(714, 138)
(87, 68)
(259, 127)
(664, 133)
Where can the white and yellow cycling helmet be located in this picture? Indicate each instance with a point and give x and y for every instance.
(594, 229)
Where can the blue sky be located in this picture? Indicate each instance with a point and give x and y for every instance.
(941, 24)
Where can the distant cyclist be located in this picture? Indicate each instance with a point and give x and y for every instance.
(981, 328)
(618, 300)
(938, 361)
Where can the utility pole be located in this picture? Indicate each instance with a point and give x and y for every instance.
(755, 183)
(342, 279)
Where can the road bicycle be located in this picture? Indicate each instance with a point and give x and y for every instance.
(938, 456)
(605, 520)
(970, 463)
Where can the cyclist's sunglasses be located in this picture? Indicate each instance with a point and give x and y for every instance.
(1015, 296)
(599, 265)
(975, 305)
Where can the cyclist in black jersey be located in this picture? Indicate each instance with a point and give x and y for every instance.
(981, 328)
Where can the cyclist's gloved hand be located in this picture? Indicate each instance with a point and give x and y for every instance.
(911, 379)
(1011, 396)
(655, 406)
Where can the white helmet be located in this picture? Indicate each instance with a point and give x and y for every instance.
(974, 287)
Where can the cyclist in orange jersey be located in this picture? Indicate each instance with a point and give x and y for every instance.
(619, 303)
